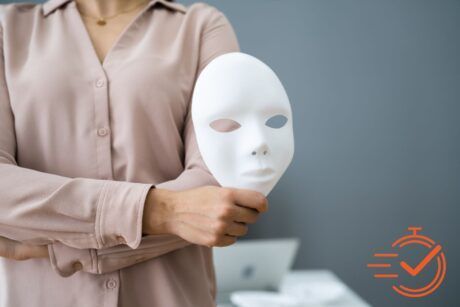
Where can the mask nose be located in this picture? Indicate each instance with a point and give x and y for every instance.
(261, 150)
(258, 141)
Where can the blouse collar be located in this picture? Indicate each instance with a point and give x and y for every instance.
(50, 5)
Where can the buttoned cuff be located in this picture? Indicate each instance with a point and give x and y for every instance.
(66, 261)
(119, 213)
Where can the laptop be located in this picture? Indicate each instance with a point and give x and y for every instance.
(252, 265)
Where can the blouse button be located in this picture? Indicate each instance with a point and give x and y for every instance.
(111, 284)
(77, 266)
(102, 131)
(100, 83)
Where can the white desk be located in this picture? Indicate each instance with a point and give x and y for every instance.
(349, 299)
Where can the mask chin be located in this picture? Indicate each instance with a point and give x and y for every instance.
(259, 185)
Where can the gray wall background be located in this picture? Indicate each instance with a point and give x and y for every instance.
(375, 91)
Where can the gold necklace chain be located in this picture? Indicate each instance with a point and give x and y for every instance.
(102, 20)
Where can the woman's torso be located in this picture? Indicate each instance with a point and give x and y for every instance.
(120, 120)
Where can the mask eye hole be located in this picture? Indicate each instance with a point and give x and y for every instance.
(224, 125)
(276, 121)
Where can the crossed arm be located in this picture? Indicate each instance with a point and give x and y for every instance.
(26, 194)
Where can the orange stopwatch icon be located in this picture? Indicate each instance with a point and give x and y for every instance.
(434, 253)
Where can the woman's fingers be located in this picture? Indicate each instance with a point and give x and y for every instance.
(250, 199)
(199, 236)
(226, 240)
(7, 248)
(27, 251)
(237, 229)
(15, 250)
(245, 215)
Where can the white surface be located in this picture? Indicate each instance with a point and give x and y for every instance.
(234, 97)
(314, 292)
(262, 299)
(347, 298)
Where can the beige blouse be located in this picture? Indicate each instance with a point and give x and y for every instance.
(82, 143)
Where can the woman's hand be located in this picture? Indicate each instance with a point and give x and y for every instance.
(20, 251)
(211, 216)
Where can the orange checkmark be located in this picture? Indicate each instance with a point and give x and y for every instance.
(423, 263)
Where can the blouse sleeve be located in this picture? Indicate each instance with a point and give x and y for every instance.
(218, 37)
(42, 208)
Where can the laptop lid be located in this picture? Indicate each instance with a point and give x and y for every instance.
(256, 264)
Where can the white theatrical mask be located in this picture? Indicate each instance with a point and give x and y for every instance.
(243, 122)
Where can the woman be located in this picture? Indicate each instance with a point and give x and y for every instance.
(104, 195)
